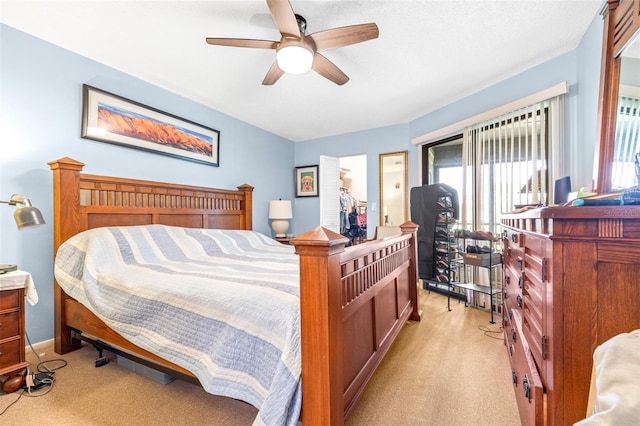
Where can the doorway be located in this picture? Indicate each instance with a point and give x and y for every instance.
(353, 197)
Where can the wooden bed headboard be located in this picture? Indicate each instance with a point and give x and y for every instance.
(82, 201)
(91, 201)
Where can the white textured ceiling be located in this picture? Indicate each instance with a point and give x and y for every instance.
(429, 53)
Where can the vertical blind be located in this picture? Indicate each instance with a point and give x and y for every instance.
(507, 163)
(623, 174)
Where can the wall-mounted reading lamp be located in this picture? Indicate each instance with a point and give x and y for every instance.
(25, 216)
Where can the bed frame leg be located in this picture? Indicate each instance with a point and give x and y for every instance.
(100, 360)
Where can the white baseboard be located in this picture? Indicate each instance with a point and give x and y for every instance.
(45, 344)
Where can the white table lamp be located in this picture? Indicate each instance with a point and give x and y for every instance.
(280, 213)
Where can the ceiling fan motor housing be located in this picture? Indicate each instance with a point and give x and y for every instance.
(302, 23)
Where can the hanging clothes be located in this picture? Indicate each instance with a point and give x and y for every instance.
(347, 203)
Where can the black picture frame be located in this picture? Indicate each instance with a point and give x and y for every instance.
(306, 181)
(113, 119)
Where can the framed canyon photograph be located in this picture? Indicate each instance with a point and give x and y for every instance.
(110, 118)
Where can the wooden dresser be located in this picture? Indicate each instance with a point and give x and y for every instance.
(571, 281)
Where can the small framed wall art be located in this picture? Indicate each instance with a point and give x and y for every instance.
(306, 179)
(113, 119)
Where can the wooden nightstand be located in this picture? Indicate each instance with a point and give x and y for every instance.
(285, 240)
(12, 341)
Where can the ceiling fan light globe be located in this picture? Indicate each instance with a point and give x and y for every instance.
(294, 59)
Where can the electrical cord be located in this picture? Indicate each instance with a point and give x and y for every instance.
(43, 379)
(41, 367)
(9, 406)
(489, 333)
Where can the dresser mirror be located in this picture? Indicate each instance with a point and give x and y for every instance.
(619, 114)
(393, 188)
(627, 140)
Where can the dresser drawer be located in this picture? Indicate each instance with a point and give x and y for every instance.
(10, 299)
(532, 321)
(513, 256)
(512, 282)
(535, 245)
(526, 381)
(512, 333)
(513, 238)
(528, 388)
(9, 324)
(10, 353)
(509, 312)
(512, 336)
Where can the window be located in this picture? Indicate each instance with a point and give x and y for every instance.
(499, 164)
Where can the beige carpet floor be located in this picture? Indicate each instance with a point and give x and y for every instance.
(449, 369)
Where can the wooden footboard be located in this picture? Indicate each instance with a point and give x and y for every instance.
(353, 301)
(353, 304)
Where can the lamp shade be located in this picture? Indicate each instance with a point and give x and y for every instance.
(294, 58)
(280, 209)
(280, 213)
(28, 216)
(25, 215)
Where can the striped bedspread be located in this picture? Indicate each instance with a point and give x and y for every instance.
(223, 304)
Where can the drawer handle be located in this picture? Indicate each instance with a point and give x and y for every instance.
(526, 388)
(511, 350)
(513, 334)
(509, 251)
(507, 279)
(514, 376)
(504, 294)
(519, 300)
(514, 238)
(521, 280)
(519, 262)
(510, 314)
(504, 322)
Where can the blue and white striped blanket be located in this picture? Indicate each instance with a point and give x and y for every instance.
(223, 304)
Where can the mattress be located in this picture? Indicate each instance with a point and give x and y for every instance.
(223, 304)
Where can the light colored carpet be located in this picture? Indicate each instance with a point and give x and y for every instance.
(445, 370)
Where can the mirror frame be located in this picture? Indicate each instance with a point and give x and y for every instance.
(621, 25)
(405, 182)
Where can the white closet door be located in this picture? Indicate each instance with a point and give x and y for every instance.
(328, 176)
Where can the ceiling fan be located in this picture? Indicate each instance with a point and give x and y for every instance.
(297, 52)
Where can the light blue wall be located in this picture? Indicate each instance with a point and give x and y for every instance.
(368, 142)
(580, 68)
(581, 154)
(40, 104)
(40, 101)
